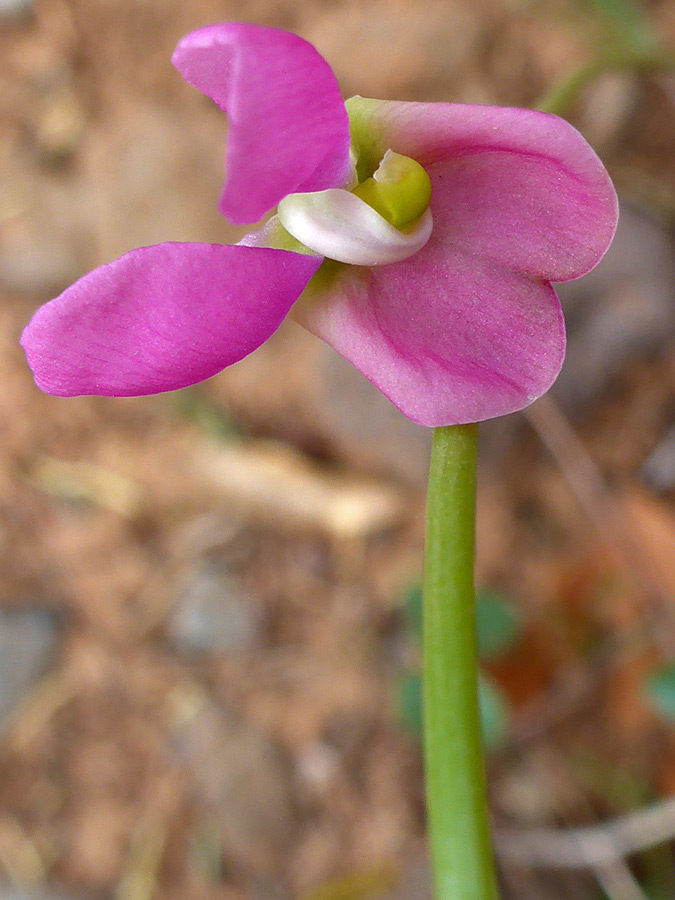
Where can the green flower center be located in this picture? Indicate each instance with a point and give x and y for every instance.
(400, 190)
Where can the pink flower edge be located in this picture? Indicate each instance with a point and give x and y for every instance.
(289, 129)
(162, 318)
(470, 328)
(467, 329)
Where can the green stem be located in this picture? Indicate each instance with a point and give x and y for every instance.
(458, 820)
(563, 95)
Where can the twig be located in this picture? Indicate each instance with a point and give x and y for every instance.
(603, 510)
(575, 686)
(593, 847)
(35, 710)
(618, 882)
(139, 879)
(19, 855)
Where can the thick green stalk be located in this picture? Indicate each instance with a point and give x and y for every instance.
(458, 820)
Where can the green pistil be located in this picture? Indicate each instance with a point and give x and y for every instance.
(400, 190)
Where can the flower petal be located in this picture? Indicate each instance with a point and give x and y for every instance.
(448, 337)
(341, 226)
(162, 317)
(289, 129)
(521, 187)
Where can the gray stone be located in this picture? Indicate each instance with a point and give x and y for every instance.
(43, 892)
(28, 640)
(213, 613)
(15, 11)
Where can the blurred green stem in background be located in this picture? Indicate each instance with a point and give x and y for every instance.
(629, 22)
(633, 46)
(462, 857)
(563, 96)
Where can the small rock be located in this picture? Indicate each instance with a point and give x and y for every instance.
(317, 769)
(213, 613)
(27, 643)
(42, 892)
(15, 11)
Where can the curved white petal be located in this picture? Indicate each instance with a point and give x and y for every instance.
(341, 226)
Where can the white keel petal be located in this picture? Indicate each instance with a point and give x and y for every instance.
(341, 226)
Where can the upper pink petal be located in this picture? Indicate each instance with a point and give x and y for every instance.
(516, 186)
(289, 129)
(449, 337)
(162, 317)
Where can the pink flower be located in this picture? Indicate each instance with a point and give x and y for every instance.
(448, 310)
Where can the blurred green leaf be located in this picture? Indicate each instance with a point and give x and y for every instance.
(191, 404)
(629, 22)
(658, 866)
(357, 886)
(621, 787)
(494, 712)
(660, 691)
(206, 851)
(410, 704)
(412, 606)
(498, 624)
(494, 709)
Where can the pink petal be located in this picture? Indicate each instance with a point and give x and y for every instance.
(289, 127)
(519, 187)
(163, 317)
(448, 337)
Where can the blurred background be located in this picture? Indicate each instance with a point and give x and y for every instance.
(209, 600)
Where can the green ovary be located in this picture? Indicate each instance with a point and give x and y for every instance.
(400, 190)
